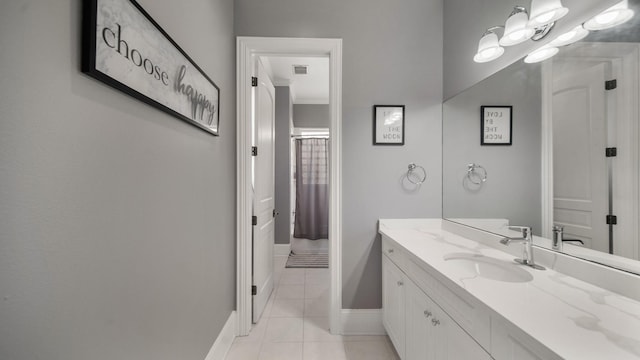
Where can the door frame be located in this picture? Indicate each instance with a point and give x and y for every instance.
(248, 49)
(546, 159)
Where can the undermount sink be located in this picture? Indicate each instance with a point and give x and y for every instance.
(488, 267)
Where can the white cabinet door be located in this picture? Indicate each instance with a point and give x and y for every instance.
(452, 342)
(419, 330)
(432, 335)
(393, 304)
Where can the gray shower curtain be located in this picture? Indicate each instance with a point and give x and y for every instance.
(312, 189)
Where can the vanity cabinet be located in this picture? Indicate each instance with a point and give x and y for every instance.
(434, 308)
(417, 326)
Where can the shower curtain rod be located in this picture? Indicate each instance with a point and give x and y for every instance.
(310, 136)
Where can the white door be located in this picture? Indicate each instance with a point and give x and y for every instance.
(580, 187)
(264, 189)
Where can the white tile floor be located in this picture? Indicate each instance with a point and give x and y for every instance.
(295, 324)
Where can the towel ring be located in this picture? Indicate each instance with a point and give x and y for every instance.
(413, 176)
(477, 172)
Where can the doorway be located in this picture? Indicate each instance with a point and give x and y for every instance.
(249, 50)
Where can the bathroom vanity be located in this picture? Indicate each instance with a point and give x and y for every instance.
(454, 292)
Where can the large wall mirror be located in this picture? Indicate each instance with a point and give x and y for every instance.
(574, 156)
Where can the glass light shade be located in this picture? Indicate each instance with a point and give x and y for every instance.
(515, 29)
(545, 12)
(613, 16)
(576, 34)
(488, 48)
(541, 54)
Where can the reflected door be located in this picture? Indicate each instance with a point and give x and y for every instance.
(580, 186)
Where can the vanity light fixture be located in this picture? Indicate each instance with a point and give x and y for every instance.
(613, 16)
(544, 12)
(541, 54)
(516, 29)
(576, 34)
(489, 48)
(522, 26)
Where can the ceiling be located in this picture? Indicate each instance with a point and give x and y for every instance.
(312, 88)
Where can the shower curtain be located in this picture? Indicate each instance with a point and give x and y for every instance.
(312, 189)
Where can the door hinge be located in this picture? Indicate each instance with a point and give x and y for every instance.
(275, 213)
(254, 151)
(254, 81)
(611, 152)
(254, 220)
(610, 84)
(254, 290)
(612, 220)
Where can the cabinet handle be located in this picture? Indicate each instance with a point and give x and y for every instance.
(400, 283)
(390, 251)
(435, 322)
(427, 313)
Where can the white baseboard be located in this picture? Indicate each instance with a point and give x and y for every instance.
(281, 249)
(223, 343)
(362, 322)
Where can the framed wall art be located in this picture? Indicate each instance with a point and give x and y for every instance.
(388, 124)
(125, 48)
(495, 125)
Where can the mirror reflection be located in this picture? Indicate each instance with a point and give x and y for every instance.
(572, 170)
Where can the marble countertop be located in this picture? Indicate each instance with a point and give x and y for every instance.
(573, 318)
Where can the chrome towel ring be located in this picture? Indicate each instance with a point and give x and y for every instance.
(416, 174)
(477, 174)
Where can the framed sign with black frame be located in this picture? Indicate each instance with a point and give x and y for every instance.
(125, 48)
(388, 125)
(495, 124)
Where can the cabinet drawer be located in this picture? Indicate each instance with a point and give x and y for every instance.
(393, 251)
(459, 306)
(511, 343)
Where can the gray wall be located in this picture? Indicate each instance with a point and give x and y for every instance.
(465, 21)
(391, 55)
(512, 189)
(117, 220)
(283, 120)
(311, 115)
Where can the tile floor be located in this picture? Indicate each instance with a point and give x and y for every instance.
(295, 324)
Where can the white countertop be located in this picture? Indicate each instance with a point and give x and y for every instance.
(572, 318)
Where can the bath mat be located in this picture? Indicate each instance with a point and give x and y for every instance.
(308, 260)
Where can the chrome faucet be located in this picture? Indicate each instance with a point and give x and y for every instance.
(527, 240)
(558, 238)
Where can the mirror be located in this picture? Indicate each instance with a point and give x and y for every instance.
(528, 146)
